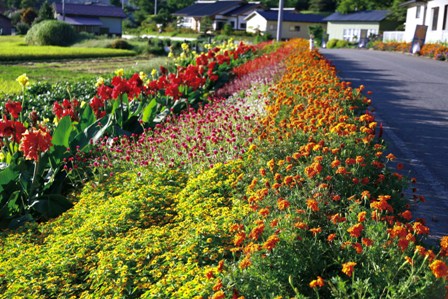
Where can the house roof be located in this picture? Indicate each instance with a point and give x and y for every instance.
(359, 16)
(288, 16)
(243, 9)
(203, 9)
(90, 10)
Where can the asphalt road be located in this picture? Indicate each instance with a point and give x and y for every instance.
(410, 98)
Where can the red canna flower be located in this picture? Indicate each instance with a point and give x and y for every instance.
(34, 142)
(13, 108)
(10, 128)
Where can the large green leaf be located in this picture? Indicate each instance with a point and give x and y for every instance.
(51, 205)
(150, 111)
(87, 118)
(61, 135)
(7, 175)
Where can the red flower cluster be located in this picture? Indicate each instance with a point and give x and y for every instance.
(11, 128)
(13, 108)
(132, 87)
(68, 108)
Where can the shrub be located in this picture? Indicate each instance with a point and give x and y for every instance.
(341, 44)
(51, 33)
(22, 28)
(120, 44)
(332, 43)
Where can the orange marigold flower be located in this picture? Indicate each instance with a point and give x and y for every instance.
(444, 243)
(336, 197)
(264, 212)
(357, 247)
(312, 204)
(420, 229)
(356, 230)
(362, 216)
(348, 268)
(301, 225)
(245, 262)
(335, 163)
(219, 295)
(319, 282)
(218, 285)
(256, 232)
(391, 157)
(287, 180)
(271, 242)
(359, 159)
(331, 237)
(409, 260)
(315, 230)
(367, 242)
(262, 172)
(282, 204)
(403, 244)
(365, 194)
(239, 238)
(34, 142)
(220, 266)
(439, 269)
(271, 165)
(407, 215)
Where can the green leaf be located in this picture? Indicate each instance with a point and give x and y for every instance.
(150, 111)
(61, 135)
(8, 175)
(87, 118)
(51, 205)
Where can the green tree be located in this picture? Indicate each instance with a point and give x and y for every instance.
(348, 6)
(45, 13)
(28, 15)
(322, 5)
(206, 24)
(398, 14)
(116, 3)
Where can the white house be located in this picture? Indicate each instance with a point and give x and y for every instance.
(98, 19)
(220, 12)
(295, 25)
(350, 26)
(432, 14)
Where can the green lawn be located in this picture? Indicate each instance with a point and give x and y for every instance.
(14, 48)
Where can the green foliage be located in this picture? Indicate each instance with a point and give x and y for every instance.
(28, 15)
(51, 33)
(22, 28)
(120, 44)
(341, 43)
(322, 5)
(45, 13)
(318, 32)
(337, 43)
(332, 43)
(348, 6)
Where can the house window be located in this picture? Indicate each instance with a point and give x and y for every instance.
(232, 24)
(417, 12)
(271, 27)
(435, 17)
(294, 28)
(445, 16)
(243, 25)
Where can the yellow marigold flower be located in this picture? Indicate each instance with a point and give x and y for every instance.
(23, 80)
(99, 81)
(348, 268)
(154, 72)
(119, 72)
(170, 54)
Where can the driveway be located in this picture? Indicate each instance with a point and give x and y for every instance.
(410, 98)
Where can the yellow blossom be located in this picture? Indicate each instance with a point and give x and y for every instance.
(119, 72)
(142, 76)
(23, 80)
(99, 81)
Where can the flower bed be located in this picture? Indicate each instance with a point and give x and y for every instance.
(435, 51)
(304, 206)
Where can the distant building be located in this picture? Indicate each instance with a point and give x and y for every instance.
(349, 26)
(220, 12)
(5, 25)
(295, 25)
(93, 18)
(431, 14)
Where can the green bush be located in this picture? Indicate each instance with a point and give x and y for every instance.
(341, 44)
(51, 33)
(332, 43)
(120, 44)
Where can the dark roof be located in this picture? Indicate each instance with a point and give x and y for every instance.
(90, 10)
(5, 17)
(288, 16)
(203, 9)
(360, 16)
(243, 9)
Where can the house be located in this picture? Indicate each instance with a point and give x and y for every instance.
(295, 25)
(219, 12)
(93, 18)
(5, 25)
(360, 24)
(432, 16)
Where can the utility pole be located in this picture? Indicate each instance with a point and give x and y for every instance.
(155, 7)
(63, 10)
(280, 20)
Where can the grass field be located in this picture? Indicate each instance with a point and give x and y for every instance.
(14, 48)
